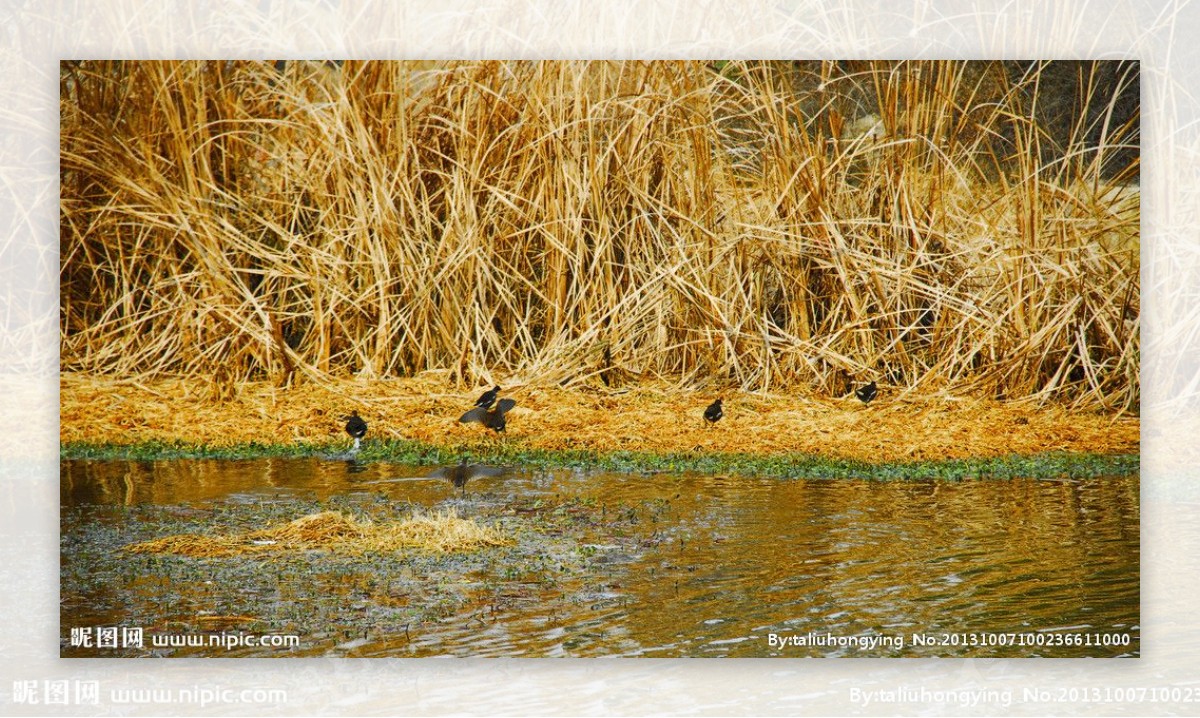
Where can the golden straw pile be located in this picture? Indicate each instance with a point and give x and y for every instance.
(895, 427)
(338, 533)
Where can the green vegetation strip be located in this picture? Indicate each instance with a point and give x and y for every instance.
(1050, 465)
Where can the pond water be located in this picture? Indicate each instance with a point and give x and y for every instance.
(605, 564)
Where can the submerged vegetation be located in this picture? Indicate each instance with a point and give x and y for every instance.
(969, 227)
(1050, 465)
(347, 568)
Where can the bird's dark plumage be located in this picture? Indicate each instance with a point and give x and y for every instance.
(867, 393)
(491, 418)
(356, 427)
(464, 472)
(488, 398)
(714, 412)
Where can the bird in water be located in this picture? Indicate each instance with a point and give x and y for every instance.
(866, 393)
(488, 398)
(356, 428)
(714, 412)
(491, 418)
(464, 472)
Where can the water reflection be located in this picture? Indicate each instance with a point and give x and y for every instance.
(463, 472)
(718, 565)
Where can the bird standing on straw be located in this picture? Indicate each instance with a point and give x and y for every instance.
(867, 393)
(356, 428)
(713, 413)
(488, 398)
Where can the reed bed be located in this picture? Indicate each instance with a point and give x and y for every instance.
(963, 228)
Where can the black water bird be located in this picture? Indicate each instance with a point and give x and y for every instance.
(356, 428)
(491, 418)
(464, 472)
(714, 412)
(866, 393)
(488, 398)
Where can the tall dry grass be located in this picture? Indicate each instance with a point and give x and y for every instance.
(970, 227)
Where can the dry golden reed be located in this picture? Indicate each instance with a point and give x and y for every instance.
(759, 226)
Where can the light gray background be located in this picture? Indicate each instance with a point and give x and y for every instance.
(36, 35)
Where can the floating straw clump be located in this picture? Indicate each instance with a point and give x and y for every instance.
(335, 532)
